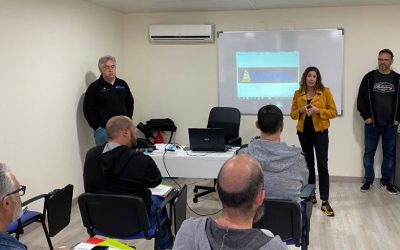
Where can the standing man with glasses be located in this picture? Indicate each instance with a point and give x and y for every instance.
(106, 97)
(379, 105)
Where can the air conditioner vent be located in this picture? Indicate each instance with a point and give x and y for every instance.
(181, 33)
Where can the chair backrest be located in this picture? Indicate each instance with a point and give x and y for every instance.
(113, 215)
(179, 206)
(283, 218)
(58, 205)
(227, 118)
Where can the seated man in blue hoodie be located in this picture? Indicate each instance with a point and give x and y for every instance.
(115, 167)
(242, 200)
(284, 167)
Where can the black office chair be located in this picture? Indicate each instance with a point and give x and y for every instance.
(229, 119)
(284, 218)
(57, 209)
(121, 216)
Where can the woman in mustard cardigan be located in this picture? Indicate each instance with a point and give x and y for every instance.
(313, 106)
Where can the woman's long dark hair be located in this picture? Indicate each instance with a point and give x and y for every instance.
(318, 84)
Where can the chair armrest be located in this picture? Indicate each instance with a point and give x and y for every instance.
(167, 200)
(307, 191)
(40, 196)
(161, 221)
(20, 228)
(33, 199)
(163, 206)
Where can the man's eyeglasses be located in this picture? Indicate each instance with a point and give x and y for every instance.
(20, 191)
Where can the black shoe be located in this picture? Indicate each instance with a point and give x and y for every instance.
(389, 188)
(366, 187)
(327, 209)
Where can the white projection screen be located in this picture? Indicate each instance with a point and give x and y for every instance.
(259, 68)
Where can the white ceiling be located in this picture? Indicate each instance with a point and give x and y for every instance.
(139, 6)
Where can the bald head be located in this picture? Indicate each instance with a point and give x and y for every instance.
(121, 129)
(239, 181)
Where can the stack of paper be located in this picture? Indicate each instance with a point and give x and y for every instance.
(161, 190)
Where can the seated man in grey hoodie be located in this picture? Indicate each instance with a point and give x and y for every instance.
(241, 190)
(284, 167)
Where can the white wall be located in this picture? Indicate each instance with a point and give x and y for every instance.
(180, 81)
(49, 52)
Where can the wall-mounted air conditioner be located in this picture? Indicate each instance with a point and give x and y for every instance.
(181, 33)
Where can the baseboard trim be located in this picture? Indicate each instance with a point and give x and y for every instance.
(350, 179)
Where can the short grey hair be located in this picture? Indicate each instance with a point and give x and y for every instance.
(104, 59)
(6, 183)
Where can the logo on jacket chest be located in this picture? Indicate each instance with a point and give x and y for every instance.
(384, 87)
(105, 89)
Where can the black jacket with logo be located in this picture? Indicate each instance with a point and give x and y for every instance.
(103, 101)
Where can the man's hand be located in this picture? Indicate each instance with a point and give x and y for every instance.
(368, 120)
(396, 123)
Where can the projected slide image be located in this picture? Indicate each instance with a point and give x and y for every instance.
(267, 74)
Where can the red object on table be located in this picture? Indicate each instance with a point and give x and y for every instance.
(94, 240)
(159, 138)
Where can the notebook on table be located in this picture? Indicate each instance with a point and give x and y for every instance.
(207, 139)
(161, 190)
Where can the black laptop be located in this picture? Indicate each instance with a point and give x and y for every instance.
(207, 139)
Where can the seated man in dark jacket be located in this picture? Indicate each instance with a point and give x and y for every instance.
(116, 167)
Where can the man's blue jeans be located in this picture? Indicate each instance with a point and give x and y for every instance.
(165, 241)
(100, 136)
(372, 136)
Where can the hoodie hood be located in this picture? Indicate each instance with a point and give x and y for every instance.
(114, 161)
(280, 156)
(203, 234)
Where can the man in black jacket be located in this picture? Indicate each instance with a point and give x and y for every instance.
(378, 103)
(116, 167)
(106, 97)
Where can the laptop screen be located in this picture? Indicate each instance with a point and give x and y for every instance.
(207, 139)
